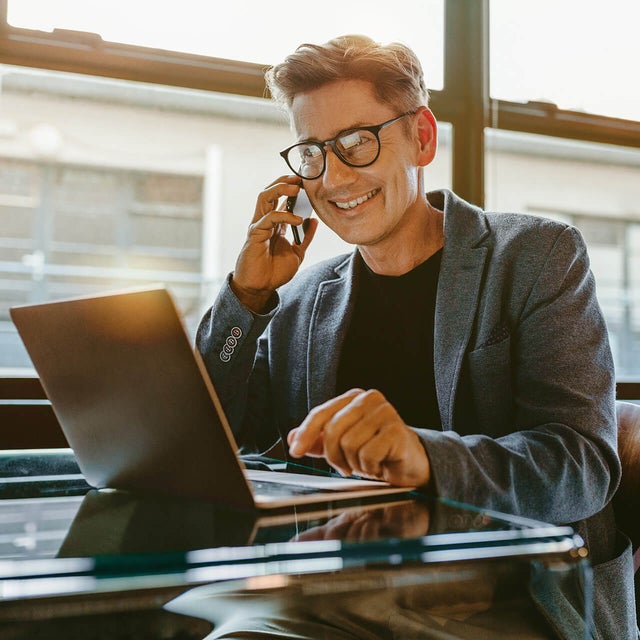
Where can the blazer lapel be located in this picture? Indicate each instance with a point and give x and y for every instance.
(459, 285)
(330, 321)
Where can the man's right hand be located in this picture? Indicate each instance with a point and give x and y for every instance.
(267, 259)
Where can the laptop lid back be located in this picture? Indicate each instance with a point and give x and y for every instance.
(131, 396)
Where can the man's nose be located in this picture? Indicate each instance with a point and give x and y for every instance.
(336, 172)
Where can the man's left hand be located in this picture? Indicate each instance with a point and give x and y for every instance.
(361, 433)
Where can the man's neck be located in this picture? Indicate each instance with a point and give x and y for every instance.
(416, 243)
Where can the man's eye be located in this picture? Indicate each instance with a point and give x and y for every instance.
(311, 152)
(351, 140)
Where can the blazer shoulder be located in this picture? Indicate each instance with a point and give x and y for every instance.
(467, 225)
(536, 231)
(524, 222)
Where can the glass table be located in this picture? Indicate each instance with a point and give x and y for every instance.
(74, 558)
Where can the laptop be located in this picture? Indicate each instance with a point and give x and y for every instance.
(138, 408)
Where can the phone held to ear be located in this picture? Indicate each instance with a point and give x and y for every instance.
(301, 206)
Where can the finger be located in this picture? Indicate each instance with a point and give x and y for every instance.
(335, 529)
(270, 196)
(288, 178)
(316, 450)
(310, 226)
(309, 232)
(339, 528)
(269, 224)
(373, 454)
(348, 426)
(372, 418)
(315, 533)
(370, 529)
(353, 426)
(313, 425)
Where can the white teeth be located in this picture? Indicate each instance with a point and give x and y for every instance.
(354, 203)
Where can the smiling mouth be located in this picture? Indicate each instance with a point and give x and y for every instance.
(352, 204)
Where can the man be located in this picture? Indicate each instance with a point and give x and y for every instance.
(459, 351)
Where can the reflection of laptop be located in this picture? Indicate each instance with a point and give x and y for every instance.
(120, 522)
(139, 410)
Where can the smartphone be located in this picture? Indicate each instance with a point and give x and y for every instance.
(301, 206)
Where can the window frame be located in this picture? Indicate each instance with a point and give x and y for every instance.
(464, 101)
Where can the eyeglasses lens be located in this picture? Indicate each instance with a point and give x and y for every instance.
(309, 158)
(357, 148)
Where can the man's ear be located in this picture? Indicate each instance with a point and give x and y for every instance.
(427, 135)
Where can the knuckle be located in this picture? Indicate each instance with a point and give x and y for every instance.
(371, 468)
(334, 456)
(315, 412)
(349, 440)
(332, 431)
(374, 395)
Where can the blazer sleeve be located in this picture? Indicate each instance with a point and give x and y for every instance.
(557, 461)
(231, 342)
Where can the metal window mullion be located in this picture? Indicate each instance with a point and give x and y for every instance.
(466, 87)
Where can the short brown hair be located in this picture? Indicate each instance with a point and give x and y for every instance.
(393, 69)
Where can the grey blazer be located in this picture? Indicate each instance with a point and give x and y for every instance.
(524, 374)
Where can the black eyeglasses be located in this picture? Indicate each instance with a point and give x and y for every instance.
(357, 147)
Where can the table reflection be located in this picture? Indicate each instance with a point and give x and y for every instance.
(409, 519)
(112, 522)
(409, 567)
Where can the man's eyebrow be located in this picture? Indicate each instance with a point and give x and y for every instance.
(335, 135)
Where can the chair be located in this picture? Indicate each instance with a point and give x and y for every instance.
(626, 502)
(27, 420)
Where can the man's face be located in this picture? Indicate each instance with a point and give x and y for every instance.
(363, 205)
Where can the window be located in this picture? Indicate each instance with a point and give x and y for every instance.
(579, 54)
(593, 187)
(106, 184)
